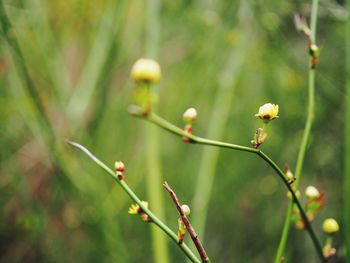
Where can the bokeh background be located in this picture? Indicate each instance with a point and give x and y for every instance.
(225, 58)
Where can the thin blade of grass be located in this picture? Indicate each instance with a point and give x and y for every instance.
(107, 31)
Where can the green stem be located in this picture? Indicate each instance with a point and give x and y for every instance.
(135, 198)
(307, 223)
(157, 120)
(306, 135)
(152, 28)
(154, 165)
(347, 141)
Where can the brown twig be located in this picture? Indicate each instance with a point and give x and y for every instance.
(187, 223)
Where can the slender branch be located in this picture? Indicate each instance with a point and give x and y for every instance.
(157, 120)
(186, 250)
(188, 225)
(307, 223)
(306, 133)
(162, 123)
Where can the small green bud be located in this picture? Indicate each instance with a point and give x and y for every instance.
(186, 209)
(314, 50)
(259, 138)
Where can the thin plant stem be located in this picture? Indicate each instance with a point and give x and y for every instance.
(157, 120)
(185, 249)
(154, 177)
(306, 134)
(347, 140)
(188, 225)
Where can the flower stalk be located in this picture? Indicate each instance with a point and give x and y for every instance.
(162, 123)
(154, 219)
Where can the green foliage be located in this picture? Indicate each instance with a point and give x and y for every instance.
(56, 205)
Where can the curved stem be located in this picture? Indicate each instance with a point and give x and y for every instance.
(307, 223)
(157, 120)
(306, 134)
(135, 198)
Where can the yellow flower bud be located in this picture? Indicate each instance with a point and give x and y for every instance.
(330, 226)
(146, 70)
(135, 209)
(311, 192)
(190, 115)
(186, 209)
(268, 112)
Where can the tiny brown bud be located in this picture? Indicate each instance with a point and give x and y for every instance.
(120, 175)
(188, 129)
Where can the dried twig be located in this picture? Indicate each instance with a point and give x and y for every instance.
(187, 223)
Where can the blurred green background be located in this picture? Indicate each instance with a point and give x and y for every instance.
(57, 206)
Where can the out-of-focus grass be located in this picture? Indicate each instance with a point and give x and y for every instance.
(73, 213)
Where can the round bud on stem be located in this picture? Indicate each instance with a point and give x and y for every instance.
(314, 50)
(268, 112)
(119, 166)
(311, 192)
(330, 226)
(135, 209)
(186, 209)
(146, 70)
(289, 175)
(190, 115)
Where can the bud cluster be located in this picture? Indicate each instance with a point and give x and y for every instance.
(135, 209)
(119, 168)
(313, 205)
